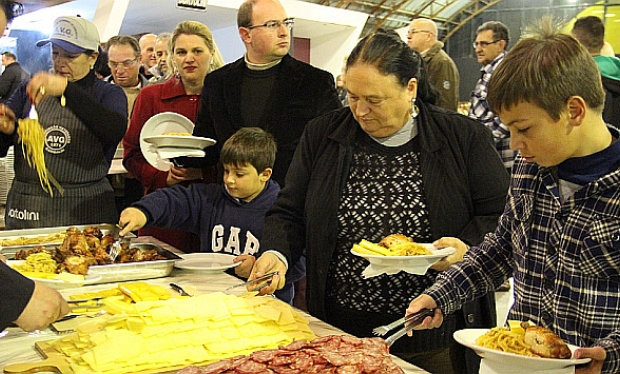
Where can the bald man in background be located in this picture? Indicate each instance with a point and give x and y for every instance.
(147, 54)
(442, 71)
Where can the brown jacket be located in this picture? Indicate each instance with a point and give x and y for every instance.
(444, 75)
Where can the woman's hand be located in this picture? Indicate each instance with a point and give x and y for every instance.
(45, 84)
(7, 120)
(598, 356)
(131, 219)
(421, 302)
(178, 175)
(247, 263)
(457, 256)
(267, 263)
(45, 306)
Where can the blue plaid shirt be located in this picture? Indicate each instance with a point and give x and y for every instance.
(565, 259)
(480, 111)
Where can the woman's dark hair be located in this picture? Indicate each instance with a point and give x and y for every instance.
(101, 65)
(392, 56)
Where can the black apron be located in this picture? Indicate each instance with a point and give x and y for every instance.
(75, 157)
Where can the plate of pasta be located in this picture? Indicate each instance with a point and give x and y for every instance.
(515, 357)
(159, 124)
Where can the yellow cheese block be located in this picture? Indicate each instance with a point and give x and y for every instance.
(156, 335)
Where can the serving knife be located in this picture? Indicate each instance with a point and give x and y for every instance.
(179, 289)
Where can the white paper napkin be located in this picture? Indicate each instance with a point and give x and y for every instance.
(497, 367)
(166, 153)
(373, 269)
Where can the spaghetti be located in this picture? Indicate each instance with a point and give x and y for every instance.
(41, 262)
(32, 137)
(502, 339)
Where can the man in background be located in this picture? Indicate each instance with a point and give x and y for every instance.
(442, 71)
(266, 88)
(123, 60)
(12, 76)
(147, 54)
(124, 63)
(161, 70)
(491, 43)
(590, 31)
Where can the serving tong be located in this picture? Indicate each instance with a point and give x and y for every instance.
(266, 278)
(412, 320)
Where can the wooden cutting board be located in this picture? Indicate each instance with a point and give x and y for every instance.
(56, 362)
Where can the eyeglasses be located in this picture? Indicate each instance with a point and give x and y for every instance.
(126, 64)
(484, 44)
(274, 25)
(414, 31)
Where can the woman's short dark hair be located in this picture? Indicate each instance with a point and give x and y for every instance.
(392, 56)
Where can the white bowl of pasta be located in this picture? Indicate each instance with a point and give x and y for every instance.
(512, 361)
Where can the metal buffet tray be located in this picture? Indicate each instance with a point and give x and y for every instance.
(136, 270)
(10, 250)
(109, 273)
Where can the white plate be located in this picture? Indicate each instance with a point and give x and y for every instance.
(409, 260)
(512, 361)
(206, 262)
(59, 283)
(157, 125)
(190, 142)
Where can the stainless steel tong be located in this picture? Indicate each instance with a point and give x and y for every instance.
(413, 320)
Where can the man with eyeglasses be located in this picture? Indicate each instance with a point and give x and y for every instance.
(490, 46)
(441, 69)
(124, 64)
(266, 88)
(123, 60)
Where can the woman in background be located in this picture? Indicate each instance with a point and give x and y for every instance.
(83, 119)
(194, 55)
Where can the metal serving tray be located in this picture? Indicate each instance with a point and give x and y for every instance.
(136, 270)
(10, 250)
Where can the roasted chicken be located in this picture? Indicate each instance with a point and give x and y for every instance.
(545, 342)
(394, 239)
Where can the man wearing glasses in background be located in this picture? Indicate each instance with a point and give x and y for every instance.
(123, 60)
(442, 71)
(266, 88)
(124, 63)
(490, 46)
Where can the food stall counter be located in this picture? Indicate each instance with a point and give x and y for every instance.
(17, 346)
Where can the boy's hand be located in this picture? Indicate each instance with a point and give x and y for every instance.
(131, 219)
(267, 263)
(247, 263)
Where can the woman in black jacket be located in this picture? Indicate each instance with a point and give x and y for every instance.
(390, 163)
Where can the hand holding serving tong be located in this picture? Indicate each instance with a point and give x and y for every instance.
(410, 322)
(255, 284)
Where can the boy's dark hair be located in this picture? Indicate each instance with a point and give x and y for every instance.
(250, 146)
(546, 68)
(590, 31)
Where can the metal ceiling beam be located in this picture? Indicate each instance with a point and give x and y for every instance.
(463, 16)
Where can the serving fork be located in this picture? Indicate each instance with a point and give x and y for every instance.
(116, 247)
(415, 319)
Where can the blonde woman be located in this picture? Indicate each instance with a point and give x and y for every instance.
(193, 55)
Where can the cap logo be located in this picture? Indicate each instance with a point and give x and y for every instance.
(66, 29)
